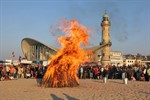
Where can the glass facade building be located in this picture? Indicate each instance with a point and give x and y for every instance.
(36, 51)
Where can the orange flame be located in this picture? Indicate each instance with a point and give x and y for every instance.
(62, 71)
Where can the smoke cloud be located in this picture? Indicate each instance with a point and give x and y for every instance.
(118, 28)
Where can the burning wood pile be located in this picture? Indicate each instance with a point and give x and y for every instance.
(62, 71)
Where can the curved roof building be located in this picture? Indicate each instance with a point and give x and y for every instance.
(35, 50)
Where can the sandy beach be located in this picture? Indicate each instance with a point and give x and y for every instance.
(89, 89)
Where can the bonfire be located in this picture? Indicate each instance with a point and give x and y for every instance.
(63, 67)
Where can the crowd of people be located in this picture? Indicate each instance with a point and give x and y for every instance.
(10, 72)
(115, 72)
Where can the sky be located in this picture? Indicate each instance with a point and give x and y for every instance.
(129, 31)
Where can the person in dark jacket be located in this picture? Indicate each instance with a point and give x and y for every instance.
(39, 76)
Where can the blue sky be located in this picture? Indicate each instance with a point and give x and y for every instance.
(130, 23)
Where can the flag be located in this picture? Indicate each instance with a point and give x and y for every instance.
(13, 54)
(19, 58)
